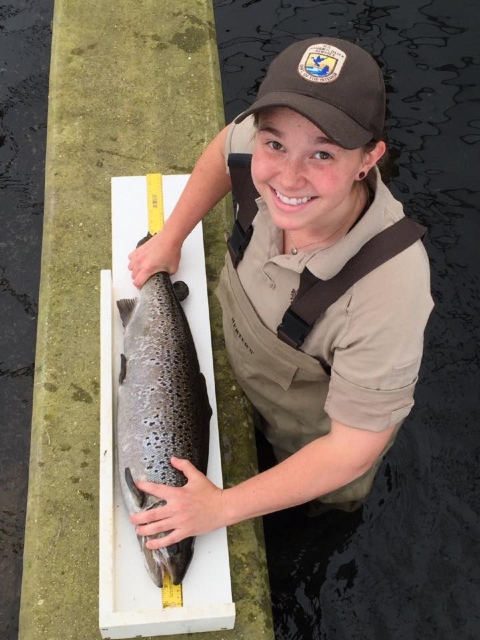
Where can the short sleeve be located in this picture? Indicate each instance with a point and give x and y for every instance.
(240, 137)
(377, 358)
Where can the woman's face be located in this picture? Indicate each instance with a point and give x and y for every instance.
(308, 182)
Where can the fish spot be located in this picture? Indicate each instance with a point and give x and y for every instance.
(65, 447)
(74, 479)
(86, 450)
(48, 386)
(83, 465)
(80, 395)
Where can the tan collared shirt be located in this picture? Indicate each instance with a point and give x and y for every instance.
(372, 337)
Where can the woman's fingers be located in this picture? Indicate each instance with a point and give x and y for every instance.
(165, 541)
(190, 510)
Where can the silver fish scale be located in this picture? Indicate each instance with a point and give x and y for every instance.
(163, 407)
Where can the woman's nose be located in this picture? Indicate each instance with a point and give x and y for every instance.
(293, 176)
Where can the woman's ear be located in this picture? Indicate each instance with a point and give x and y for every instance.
(371, 157)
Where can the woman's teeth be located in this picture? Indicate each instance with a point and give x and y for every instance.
(292, 201)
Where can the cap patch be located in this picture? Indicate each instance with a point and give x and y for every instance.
(321, 63)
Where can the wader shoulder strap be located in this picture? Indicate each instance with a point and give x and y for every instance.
(245, 195)
(314, 296)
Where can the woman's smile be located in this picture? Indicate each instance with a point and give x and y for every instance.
(292, 201)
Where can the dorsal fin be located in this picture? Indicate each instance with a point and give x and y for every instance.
(125, 308)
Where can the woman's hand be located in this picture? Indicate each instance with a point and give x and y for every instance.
(158, 254)
(191, 510)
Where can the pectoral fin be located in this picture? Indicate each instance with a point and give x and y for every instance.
(138, 495)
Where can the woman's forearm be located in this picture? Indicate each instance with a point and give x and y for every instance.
(207, 185)
(318, 468)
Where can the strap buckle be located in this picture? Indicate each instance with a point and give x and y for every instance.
(293, 330)
(238, 242)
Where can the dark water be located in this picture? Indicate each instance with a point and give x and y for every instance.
(24, 61)
(404, 567)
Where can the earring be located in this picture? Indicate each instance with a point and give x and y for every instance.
(361, 175)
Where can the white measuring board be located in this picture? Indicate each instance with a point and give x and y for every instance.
(130, 605)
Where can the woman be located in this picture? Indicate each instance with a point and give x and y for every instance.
(330, 408)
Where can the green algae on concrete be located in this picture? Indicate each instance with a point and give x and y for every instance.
(134, 89)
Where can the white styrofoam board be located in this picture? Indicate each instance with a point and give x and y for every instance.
(130, 605)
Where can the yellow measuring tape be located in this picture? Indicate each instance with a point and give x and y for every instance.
(172, 595)
(155, 202)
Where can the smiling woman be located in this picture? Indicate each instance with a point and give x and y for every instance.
(326, 399)
(381, 571)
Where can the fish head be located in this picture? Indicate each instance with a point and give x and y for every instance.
(175, 559)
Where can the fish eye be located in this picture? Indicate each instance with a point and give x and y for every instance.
(174, 549)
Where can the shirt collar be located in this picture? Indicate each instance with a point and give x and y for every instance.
(326, 263)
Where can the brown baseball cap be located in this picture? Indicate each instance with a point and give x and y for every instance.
(333, 83)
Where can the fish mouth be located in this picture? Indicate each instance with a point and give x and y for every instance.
(175, 559)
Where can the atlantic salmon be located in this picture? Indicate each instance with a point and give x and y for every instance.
(162, 410)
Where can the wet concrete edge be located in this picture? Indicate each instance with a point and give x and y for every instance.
(134, 88)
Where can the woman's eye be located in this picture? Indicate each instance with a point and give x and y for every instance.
(276, 146)
(322, 155)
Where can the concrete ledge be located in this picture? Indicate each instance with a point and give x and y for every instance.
(134, 88)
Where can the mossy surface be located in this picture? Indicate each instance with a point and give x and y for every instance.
(134, 89)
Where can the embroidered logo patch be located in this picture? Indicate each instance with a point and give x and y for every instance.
(321, 63)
